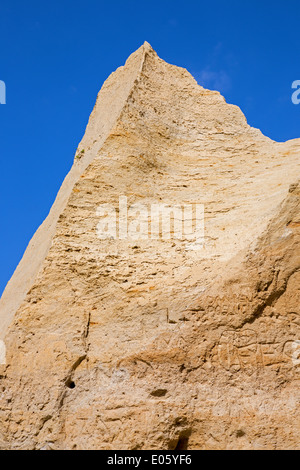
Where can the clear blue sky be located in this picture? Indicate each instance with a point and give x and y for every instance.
(55, 56)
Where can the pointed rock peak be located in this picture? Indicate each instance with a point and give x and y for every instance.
(148, 46)
(142, 50)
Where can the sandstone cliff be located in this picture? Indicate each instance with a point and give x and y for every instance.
(157, 343)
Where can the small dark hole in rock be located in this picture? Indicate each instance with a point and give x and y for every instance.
(70, 384)
(240, 433)
(182, 443)
(161, 392)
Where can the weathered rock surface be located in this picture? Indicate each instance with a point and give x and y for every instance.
(150, 344)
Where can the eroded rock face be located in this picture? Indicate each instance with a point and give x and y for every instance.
(155, 343)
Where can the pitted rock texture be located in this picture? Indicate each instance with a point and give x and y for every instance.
(151, 344)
